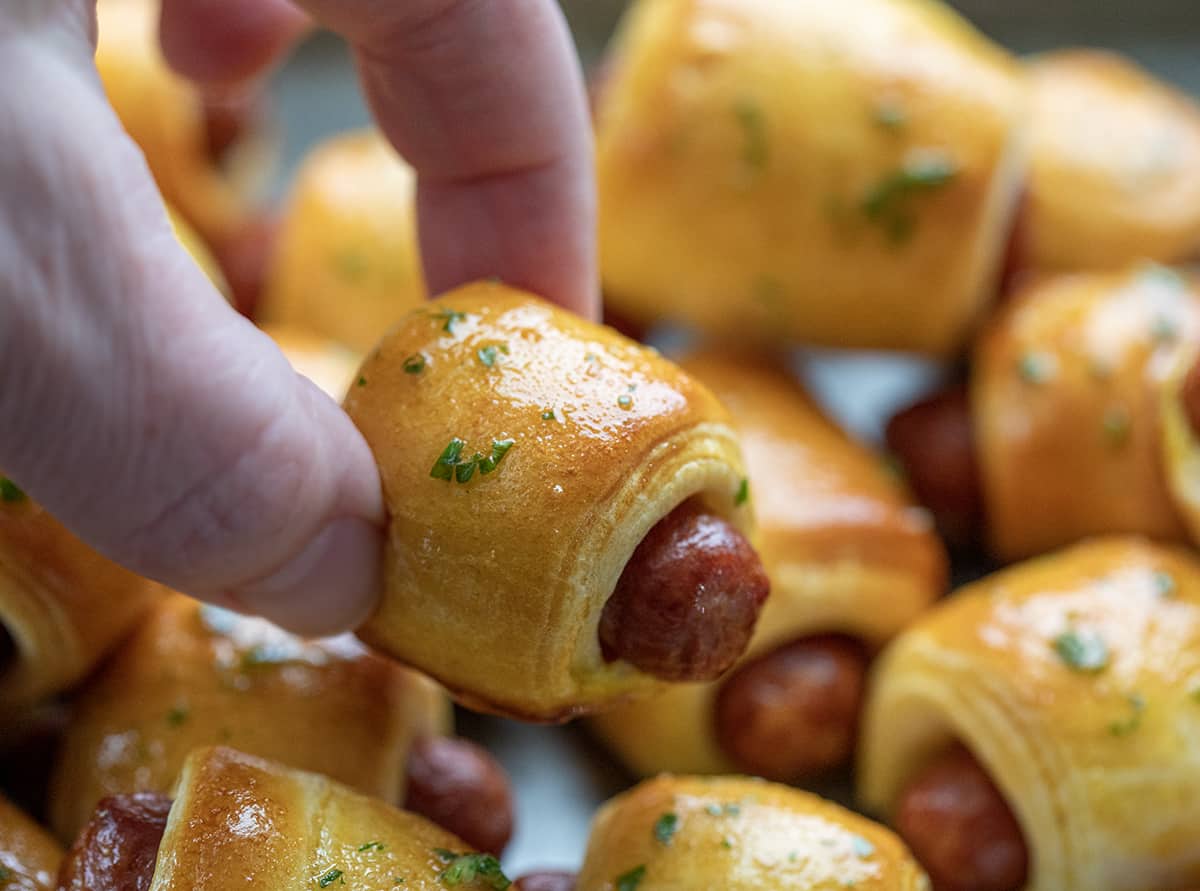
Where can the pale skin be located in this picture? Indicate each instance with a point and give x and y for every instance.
(155, 422)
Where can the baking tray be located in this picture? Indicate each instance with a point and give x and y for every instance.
(560, 775)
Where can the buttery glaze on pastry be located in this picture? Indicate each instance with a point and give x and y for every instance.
(1073, 680)
(499, 566)
(328, 364)
(238, 822)
(62, 605)
(166, 117)
(848, 555)
(196, 675)
(1115, 165)
(838, 173)
(346, 265)
(700, 833)
(29, 857)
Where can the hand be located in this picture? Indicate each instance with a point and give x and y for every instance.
(155, 422)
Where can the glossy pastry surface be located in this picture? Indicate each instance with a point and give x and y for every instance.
(29, 857)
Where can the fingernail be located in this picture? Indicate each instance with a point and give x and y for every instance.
(332, 585)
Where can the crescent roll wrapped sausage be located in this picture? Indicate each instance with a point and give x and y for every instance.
(851, 563)
(197, 675)
(693, 834)
(62, 605)
(1115, 166)
(346, 263)
(239, 821)
(565, 522)
(1070, 390)
(838, 173)
(29, 857)
(205, 159)
(1072, 679)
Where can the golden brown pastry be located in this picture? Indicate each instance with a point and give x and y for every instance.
(239, 822)
(566, 527)
(167, 117)
(328, 364)
(29, 857)
(1071, 386)
(62, 605)
(698, 833)
(851, 561)
(346, 264)
(837, 173)
(1180, 407)
(196, 675)
(1115, 166)
(1072, 679)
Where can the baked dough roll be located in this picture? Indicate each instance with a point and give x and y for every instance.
(209, 160)
(62, 605)
(1180, 406)
(1115, 166)
(565, 522)
(851, 562)
(29, 857)
(694, 834)
(239, 822)
(834, 173)
(196, 675)
(1072, 679)
(346, 263)
(328, 364)
(1063, 427)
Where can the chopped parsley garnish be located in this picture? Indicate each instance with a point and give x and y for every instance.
(1164, 584)
(1082, 651)
(6, 875)
(451, 465)
(177, 716)
(371, 846)
(414, 364)
(665, 827)
(625, 400)
(726, 842)
(10, 493)
(334, 875)
(743, 492)
(1036, 367)
(1133, 721)
(862, 847)
(629, 881)
(490, 353)
(754, 133)
(465, 868)
(1116, 425)
(362, 381)
(548, 415)
(448, 317)
(887, 203)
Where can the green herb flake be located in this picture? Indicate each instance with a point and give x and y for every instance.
(625, 401)
(490, 353)
(10, 492)
(862, 847)
(665, 827)
(1130, 723)
(726, 843)
(888, 202)
(362, 381)
(6, 875)
(750, 118)
(415, 363)
(443, 468)
(371, 846)
(743, 493)
(334, 875)
(177, 716)
(1082, 651)
(1036, 367)
(629, 881)
(1164, 584)
(467, 868)
(398, 880)
(1116, 426)
(448, 318)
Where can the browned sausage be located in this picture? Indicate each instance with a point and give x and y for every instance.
(1191, 397)
(935, 443)
(463, 789)
(793, 712)
(686, 603)
(547, 881)
(960, 828)
(117, 849)
(244, 258)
